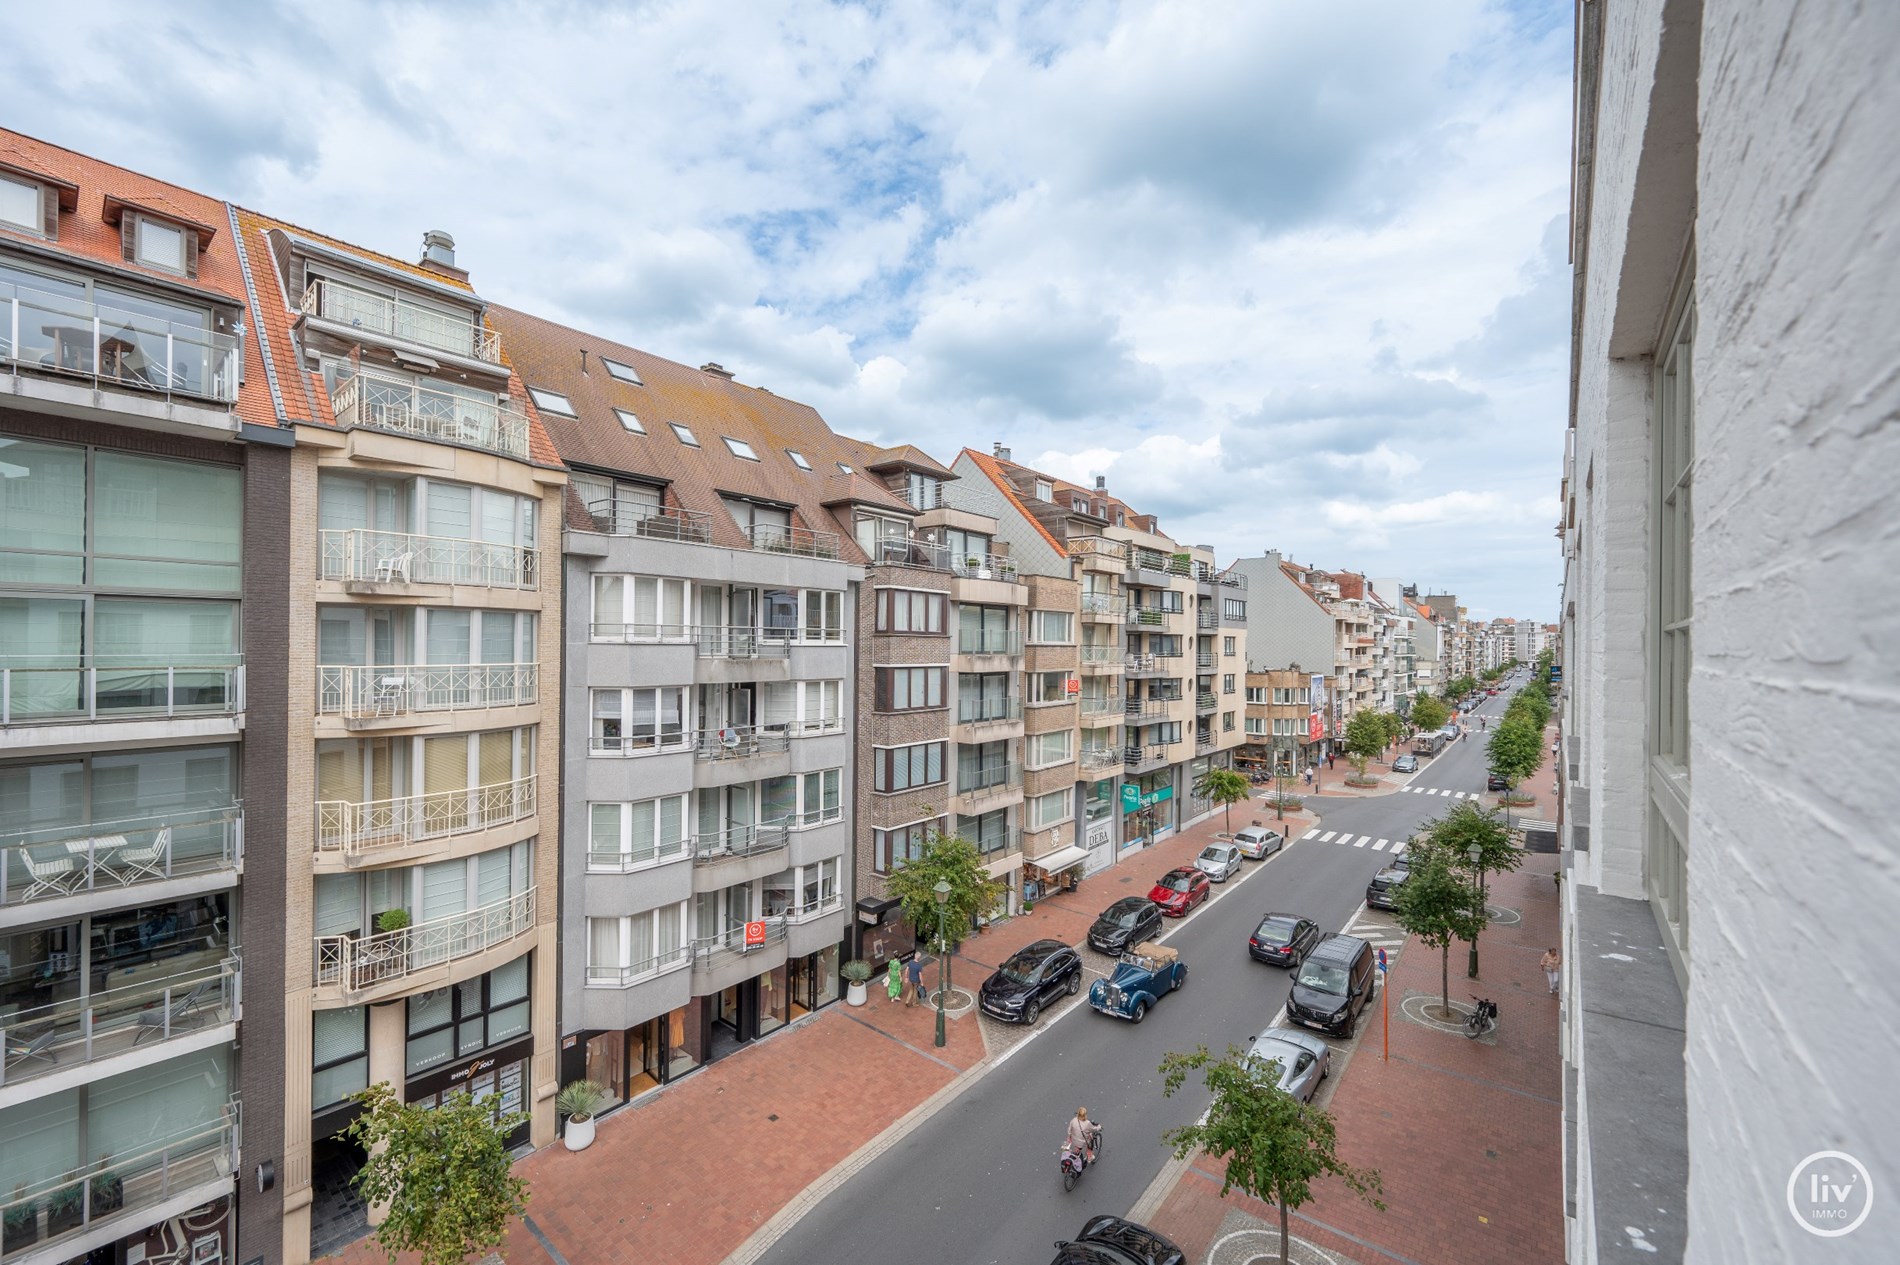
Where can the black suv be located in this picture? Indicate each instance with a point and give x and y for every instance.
(1383, 891)
(1125, 924)
(1333, 986)
(1283, 939)
(1109, 1240)
(1034, 976)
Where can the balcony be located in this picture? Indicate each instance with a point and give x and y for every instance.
(1161, 565)
(59, 1035)
(183, 1167)
(720, 947)
(734, 842)
(359, 831)
(645, 739)
(426, 412)
(801, 541)
(1097, 758)
(71, 862)
(986, 710)
(1098, 553)
(739, 742)
(1207, 619)
(1103, 608)
(400, 320)
(357, 555)
(1145, 757)
(744, 643)
(61, 689)
(354, 963)
(1205, 703)
(109, 348)
(904, 551)
(628, 976)
(985, 566)
(987, 781)
(1144, 711)
(1141, 665)
(625, 861)
(984, 641)
(1149, 617)
(1204, 660)
(655, 522)
(1203, 741)
(396, 692)
(1102, 706)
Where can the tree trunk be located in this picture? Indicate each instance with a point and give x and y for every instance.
(1284, 1258)
(1230, 816)
(1444, 977)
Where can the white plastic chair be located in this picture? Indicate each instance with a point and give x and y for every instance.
(144, 860)
(394, 567)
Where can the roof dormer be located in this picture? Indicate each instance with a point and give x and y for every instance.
(154, 238)
(30, 202)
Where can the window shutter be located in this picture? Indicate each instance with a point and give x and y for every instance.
(129, 236)
(191, 253)
(49, 212)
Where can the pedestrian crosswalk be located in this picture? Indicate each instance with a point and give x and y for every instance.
(1439, 790)
(1346, 838)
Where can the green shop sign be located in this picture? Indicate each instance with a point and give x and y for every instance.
(1134, 801)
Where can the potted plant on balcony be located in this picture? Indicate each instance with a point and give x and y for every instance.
(21, 1225)
(578, 1101)
(857, 973)
(108, 1192)
(65, 1208)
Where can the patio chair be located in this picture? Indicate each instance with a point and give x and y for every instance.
(386, 696)
(394, 567)
(22, 1047)
(155, 1022)
(143, 860)
(53, 874)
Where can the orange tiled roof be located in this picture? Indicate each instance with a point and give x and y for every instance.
(993, 469)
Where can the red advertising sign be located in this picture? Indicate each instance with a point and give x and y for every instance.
(1315, 727)
(754, 934)
(1074, 685)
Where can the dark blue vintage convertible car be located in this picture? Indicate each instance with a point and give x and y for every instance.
(1144, 975)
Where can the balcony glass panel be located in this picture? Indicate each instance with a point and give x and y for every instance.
(114, 339)
(400, 318)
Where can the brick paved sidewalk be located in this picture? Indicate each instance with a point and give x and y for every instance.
(1465, 1134)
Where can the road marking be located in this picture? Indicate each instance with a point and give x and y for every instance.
(1327, 837)
(1363, 841)
(1398, 847)
(1379, 846)
(1309, 834)
(1461, 794)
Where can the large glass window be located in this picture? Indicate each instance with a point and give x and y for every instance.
(902, 768)
(628, 721)
(466, 1018)
(899, 844)
(910, 611)
(1665, 861)
(624, 835)
(1051, 748)
(908, 689)
(339, 1055)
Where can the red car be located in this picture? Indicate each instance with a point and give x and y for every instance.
(1179, 891)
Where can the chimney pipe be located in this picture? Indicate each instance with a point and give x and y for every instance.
(438, 248)
(1101, 483)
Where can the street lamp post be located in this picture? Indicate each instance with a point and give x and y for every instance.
(1475, 854)
(942, 892)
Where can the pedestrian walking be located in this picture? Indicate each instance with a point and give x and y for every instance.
(894, 980)
(1329, 759)
(1309, 777)
(915, 980)
(1553, 964)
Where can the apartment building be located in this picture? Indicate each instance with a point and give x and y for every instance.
(142, 790)
(423, 643)
(709, 707)
(1285, 723)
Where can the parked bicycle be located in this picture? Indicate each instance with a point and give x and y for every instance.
(1482, 1019)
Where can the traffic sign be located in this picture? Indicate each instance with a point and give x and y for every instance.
(1382, 961)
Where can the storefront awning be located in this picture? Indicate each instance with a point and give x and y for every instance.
(872, 909)
(1062, 859)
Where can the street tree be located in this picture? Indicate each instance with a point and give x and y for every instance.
(1438, 902)
(1365, 738)
(1516, 750)
(443, 1174)
(1274, 1145)
(1428, 713)
(1226, 788)
(954, 860)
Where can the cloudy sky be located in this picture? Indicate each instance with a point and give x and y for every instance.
(1290, 274)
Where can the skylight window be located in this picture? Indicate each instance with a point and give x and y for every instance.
(552, 401)
(623, 372)
(798, 458)
(739, 448)
(844, 469)
(685, 435)
(629, 421)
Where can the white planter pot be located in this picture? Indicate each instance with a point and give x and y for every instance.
(854, 994)
(579, 1134)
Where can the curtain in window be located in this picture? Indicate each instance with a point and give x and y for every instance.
(668, 927)
(609, 608)
(339, 904)
(451, 511)
(604, 828)
(42, 640)
(491, 878)
(640, 939)
(135, 1111)
(672, 819)
(497, 757)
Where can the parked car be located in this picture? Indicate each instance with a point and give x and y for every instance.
(1180, 890)
(1283, 939)
(1383, 891)
(1129, 920)
(1333, 986)
(1257, 842)
(1298, 1060)
(1496, 782)
(1145, 975)
(1219, 861)
(1407, 763)
(1030, 979)
(1107, 1240)
(1451, 733)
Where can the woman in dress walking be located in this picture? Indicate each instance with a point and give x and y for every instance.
(894, 979)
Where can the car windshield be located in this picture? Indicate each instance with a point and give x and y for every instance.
(1278, 930)
(1126, 917)
(1022, 970)
(1173, 882)
(1327, 979)
(1213, 854)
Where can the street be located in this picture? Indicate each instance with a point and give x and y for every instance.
(978, 1182)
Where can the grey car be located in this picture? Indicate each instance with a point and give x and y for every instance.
(1405, 764)
(1257, 843)
(1301, 1060)
(1218, 861)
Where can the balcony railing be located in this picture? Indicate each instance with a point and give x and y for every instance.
(643, 739)
(744, 643)
(110, 347)
(928, 496)
(1099, 654)
(713, 846)
(400, 319)
(732, 941)
(393, 557)
(980, 781)
(985, 709)
(1142, 711)
(817, 907)
(64, 1034)
(358, 962)
(989, 641)
(1203, 740)
(1099, 757)
(802, 541)
(1150, 616)
(153, 1171)
(737, 742)
(637, 857)
(1204, 660)
(627, 976)
(931, 555)
(1092, 547)
(1206, 620)
(355, 829)
(984, 566)
(59, 689)
(55, 861)
(1204, 703)
(1143, 756)
(1152, 664)
(426, 412)
(1102, 705)
(363, 693)
(655, 522)
(1105, 606)
(1153, 560)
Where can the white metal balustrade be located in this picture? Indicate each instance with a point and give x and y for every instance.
(62, 1034)
(355, 829)
(109, 347)
(657, 522)
(358, 693)
(717, 642)
(358, 962)
(415, 408)
(802, 541)
(623, 860)
(732, 941)
(58, 689)
(713, 846)
(627, 976)
(391, 557)
(400, 319)
(984, 566)
(49, 862)
(736, 742)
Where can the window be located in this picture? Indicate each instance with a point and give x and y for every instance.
(625, 836)
(1227, 683)
(1234, 610)
(629, 721)
(1227, 646)
(898, 844)
(844, 469)
(983, 765)
(552, 401)
(641, 608)
(910, 611)
(989, 831)
(1672, 466)
(1227, 722)
(339, 1055)
(1051, 748)
(1256, 727)
(624, 373)
(923, 491)
(1052, 627)
(621, 950)
(457, 1021)
(801, 707)
(1256, 694)
(739, 448)
(21, 205)
(1049, 687)
(903, 768)
(1045, 490)
(629, 422)
(684, 434)
(1051, 809)
(907, 689)
(798, 459)
(1167, 731)
(161, 245)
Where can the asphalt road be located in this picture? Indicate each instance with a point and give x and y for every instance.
(978, 1183)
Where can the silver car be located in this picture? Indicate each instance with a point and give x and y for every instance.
(1300, 1060)
(1257, 843)
(1218, 861)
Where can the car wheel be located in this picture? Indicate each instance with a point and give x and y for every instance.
(1075, 984)
(1180, 979)
(1031, 1013)
(1139, 1013)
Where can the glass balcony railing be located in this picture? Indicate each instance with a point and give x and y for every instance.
(391, 557)
(903, 551)
(802, 541)
(354, 829)
(55, 861)
(1105, 606)
(427, 412)
(982, 781)
(58, 689)
(353, 962)
(656, 522)
(400, 319)
(987, 710)
(984, 566)
(111, 348)
(989, 641)
(59, 1035)
(394, 690)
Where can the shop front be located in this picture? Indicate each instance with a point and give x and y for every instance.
(1148, 809)
(884, 933)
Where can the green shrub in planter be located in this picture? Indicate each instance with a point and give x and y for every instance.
(857, 971)
(579, 1100)
(20, 1227)
(108, 1193)
(392, 920)
(64, 1207)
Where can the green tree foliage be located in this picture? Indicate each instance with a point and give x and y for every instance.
(1274, 1144)
(1516, 750)
(1533, 703)
(444, 1175)
(953, 860)
(1439, 902)
(1226, 788)
(1471, 824)
(1394, 726)
(1365, 738)
(1429, 714)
